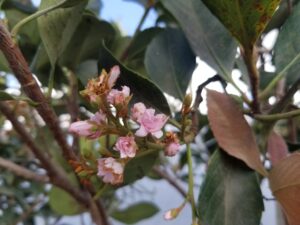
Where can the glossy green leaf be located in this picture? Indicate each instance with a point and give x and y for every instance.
(170, 62)
(244, 19)
(139, 45)
(287, 47)
(139, 167)
(57, 27)
(230, 194)
(135, 213)
(143, 89)
(86, 41)
(207, 36)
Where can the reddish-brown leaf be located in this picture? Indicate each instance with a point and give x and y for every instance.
(277, 148)
(285, 184)
(232, 131)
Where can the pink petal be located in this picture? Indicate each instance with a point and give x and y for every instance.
(157, 134)
(141, 132)
(113, 76)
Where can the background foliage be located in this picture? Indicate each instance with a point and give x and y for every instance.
(71, 44)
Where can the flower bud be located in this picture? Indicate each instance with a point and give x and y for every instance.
(186, 105)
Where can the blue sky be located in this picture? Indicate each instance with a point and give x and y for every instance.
(126, 13)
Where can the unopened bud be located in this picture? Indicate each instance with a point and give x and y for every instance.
(173, 213)
(186, 105)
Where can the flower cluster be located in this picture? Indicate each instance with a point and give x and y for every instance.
(114, 117)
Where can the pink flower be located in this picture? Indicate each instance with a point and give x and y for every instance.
(137, 111)
(110, 170)
(116, 97)
(82, 128)
(89, 128)
(172, 149)
(126, 146)
(151, 123)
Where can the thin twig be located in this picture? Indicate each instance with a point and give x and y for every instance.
(22, 171)
(170, 179)
(281, 105)
(250, 61)
(199, 99)
(278, 116)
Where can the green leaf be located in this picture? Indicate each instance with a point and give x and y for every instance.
(170, 62)
(138, 167)
(246, 20)
(143, 89)
(207, 36)
(63, 203)
(287, 47)
(40, 66)
(24, 6)
(57, 27)
(230, 194)
(135, 213)
(87, 69)
(139, 44)
(86, 41)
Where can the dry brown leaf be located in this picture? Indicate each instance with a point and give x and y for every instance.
(285, 183)
(232, 131)
(277, 148)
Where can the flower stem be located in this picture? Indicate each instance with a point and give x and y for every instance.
(278, 116)
(174, 123)
(100, 192)
(39, 13)
(191, 183)
(264, 94)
